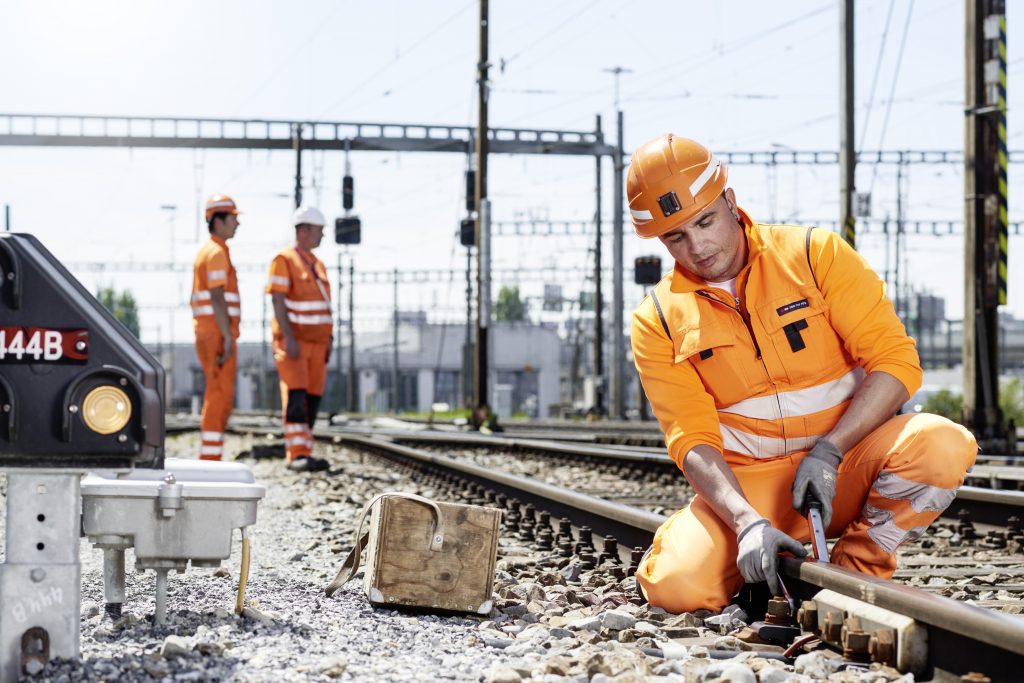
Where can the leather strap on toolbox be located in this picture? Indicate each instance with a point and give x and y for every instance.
(351, 564)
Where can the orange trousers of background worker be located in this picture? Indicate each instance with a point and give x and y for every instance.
(891, 486)
(302, 386)
(219, 397)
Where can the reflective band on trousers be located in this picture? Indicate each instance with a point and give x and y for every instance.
(884, 531)
(212, 436)
(799, 401)
(211, 450)
(922, 497)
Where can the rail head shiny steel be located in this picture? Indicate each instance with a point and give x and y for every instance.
(817, 528)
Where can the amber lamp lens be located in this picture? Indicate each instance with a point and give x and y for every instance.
(106, 410)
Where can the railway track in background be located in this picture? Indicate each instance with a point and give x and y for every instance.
(963, 583)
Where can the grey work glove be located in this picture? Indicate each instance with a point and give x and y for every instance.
(758, 559)
(816, 476)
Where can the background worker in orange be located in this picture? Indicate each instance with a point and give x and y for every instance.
(774, 363)
(302, 330)
(216, 310)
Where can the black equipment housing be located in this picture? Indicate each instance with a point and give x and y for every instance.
(647, 270)
(347, 230)
(41, 420)
(467, 232)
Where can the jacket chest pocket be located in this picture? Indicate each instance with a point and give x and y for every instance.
(718, 359)
(801, 335)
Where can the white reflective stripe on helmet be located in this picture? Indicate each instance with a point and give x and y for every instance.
(641, 215)
(222, 204)
(697, 185)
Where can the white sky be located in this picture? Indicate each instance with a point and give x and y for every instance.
(739, 75)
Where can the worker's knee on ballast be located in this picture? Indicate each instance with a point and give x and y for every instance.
(297, 406)
(685, 591)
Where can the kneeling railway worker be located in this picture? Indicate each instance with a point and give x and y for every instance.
(216, 310)
(775, 365)
(302, 330)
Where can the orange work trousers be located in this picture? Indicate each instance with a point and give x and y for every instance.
(890, 487)
(308, 373)
(220, 393)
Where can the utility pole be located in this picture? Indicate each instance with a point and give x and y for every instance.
(847, 150)
(481, 410)
(337, 347)
(598, 299)
(467, 348)
(617, 357)
(352, 379)
(617, 71)
(985, 220)
(394, 350)
(297, 146)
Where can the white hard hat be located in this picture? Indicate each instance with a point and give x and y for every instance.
(310, 215)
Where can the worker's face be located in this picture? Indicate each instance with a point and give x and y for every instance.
(712, 246)
(309, 236)
(231, 224)
(226, 227)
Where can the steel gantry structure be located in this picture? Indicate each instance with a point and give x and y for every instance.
(64, 130)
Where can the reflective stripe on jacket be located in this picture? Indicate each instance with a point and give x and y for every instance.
(302, 278)
(213, 269)
(768, 377)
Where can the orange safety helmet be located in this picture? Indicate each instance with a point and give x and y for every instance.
(220, 203)
(671, 180)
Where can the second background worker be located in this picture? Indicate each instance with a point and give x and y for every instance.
(302, 330)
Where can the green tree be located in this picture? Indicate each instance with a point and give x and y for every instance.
(510, 307)
(1011, 401)
(945, 403)
(123, 307)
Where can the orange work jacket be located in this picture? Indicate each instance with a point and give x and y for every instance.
(768, 375)
(302, 278)
(213, 269)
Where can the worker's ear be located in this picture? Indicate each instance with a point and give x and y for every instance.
(730, 200)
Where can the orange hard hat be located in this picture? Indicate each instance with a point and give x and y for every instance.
(671, 180)
(220, 203)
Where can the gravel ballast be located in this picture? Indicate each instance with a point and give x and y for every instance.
(555, 618)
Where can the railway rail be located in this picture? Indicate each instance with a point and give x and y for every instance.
(960, 597)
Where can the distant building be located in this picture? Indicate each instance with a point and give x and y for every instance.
(525, 359)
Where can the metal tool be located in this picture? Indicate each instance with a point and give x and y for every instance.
(817, 529)
(788, 595)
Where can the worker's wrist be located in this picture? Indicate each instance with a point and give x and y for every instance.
(764, 521)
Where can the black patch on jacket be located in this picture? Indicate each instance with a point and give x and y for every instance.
(706, 353)
(795, 306)
(796, 342)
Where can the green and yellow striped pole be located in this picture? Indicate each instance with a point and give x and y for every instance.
(1002, 155)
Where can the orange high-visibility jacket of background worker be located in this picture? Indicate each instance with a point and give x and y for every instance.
(213, 268)
(302, 278)
(761, 377)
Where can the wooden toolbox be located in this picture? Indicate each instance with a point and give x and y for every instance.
(421, 553)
